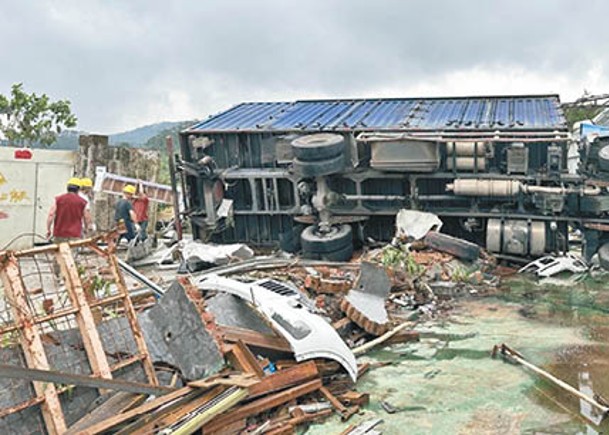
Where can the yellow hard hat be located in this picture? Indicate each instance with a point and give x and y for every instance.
(129, 189)
(74, 182)
(86, 182)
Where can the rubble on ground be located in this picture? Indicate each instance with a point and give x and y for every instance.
(243, 344)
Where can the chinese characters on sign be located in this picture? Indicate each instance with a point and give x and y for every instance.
(13, 196)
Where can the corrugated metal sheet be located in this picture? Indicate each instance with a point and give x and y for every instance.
(541, 112)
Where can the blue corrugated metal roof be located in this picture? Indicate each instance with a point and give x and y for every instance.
(537, 112)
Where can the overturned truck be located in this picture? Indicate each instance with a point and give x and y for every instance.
(322, 176)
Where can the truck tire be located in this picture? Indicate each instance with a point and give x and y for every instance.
(315, 147)
(603, 158)
(603, 256)
(342, 254)
(314, 242)
(320, 167)
(289, 241)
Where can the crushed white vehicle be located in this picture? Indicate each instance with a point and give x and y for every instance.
(309, 335)
(550, 265)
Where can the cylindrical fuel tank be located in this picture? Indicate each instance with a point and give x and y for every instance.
(517, 237)
(465, 149)
(471, 187)
(465, 163)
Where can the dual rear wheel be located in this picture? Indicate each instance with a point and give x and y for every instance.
(320, 154)
(336, 244)
(317, 155)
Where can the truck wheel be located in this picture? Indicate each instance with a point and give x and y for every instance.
(317, 147)
(603, 256)
(289, 241)
(320, 167)
(603, 158)
(342, 254)
(314, 242)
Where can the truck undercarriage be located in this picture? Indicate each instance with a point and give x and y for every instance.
(498, 171)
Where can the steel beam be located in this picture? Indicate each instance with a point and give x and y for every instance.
(14, 372)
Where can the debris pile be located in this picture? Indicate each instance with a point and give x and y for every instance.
(261, 345)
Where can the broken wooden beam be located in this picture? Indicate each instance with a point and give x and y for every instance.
(197, 418)
(345, 413)
(235, 380)
(284, 379)
(243, 359)
(84, 316)
(119, 402)
(168, 415)
(355, 398)
(138, 411)
(380, 340)
(233, 334)
(31, 344)
(261, 405)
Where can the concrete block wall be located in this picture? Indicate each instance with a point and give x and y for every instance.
(130, 162)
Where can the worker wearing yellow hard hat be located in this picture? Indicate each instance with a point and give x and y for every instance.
(74, 182)
(68, 214)
(123, 212)
(86, 193)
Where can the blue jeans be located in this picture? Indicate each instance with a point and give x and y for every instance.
(130, 234)
(143, 235)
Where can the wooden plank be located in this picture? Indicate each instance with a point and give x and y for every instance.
(243, 359)
(53, 248)
(355, 398)
(23, 405)
(291, 423)
(342, 323)
(240, 380)
(285, 429)
(222, 403)
(403, 337)
(155, 421)
(263, 404)
(31, 345)
(345, 412)
(136, 412)
(84, 316)
(233, 334)
(284, 379)
(116, 404)
(133, 322)
(41, 319)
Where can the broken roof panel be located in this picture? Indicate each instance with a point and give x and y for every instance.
(534, 112)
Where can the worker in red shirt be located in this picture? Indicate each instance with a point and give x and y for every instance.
(68, 215)
(140, 207)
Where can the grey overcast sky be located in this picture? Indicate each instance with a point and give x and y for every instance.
(124, 64)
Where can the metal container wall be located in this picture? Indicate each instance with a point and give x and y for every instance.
(27, 190)
(250, 147)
